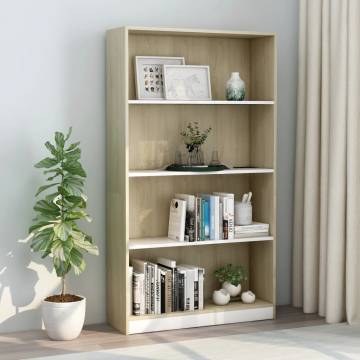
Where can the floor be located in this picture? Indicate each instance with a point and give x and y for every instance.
(29, 344)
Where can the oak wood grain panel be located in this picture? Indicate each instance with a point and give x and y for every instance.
(223, 55)
(150, 198)
(155, 134)
(117, 180)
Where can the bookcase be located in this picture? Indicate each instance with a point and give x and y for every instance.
(142, 137)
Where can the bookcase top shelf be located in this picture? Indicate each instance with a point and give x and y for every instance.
(198, 102)
(164, 242)
(152, 173)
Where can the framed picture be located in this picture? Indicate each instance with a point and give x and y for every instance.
(149, 75)
(188, 82)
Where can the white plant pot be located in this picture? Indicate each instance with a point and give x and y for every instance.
(221, 297)
(248, 297)
(63, 321)
(231, 289)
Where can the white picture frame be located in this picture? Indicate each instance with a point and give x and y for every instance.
(149, 75)
(187, 82)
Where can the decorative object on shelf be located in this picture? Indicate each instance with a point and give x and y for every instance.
(199, 168)
(149, 75)
(215, 159)
(194, 138)
(243, 210)
(235, 88)
(55, 233)
(231, 277)
(221, 297)
(248, 297)
(187, 82)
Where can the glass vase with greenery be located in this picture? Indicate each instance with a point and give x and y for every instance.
(193, 139)
(55, 232)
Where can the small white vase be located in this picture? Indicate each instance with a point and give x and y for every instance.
(248, 297)
(235, 88)
(63, 321)
(221, 297)
(231, 289)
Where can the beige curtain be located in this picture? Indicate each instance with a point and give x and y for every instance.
(326, 250)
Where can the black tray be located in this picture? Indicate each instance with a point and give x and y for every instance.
(201, 168)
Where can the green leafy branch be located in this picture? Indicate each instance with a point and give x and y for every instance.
(231, 273)
(55, 232)
(193, 137)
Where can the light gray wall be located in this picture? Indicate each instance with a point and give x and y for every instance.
(52, 75)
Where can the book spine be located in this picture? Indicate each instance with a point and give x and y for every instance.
(138, 282)
(197, 218)
(190, 295)
(168, 292)
(207, 220)
(221, 228)
(182, 290)
(147, 289)
(152, 290)
(202, 220)
(201, 289)
(212, 214)
(130, 287)
(157, 290)
(230, 205)
(162, 292)
(176, 297)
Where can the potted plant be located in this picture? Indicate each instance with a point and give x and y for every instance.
(56, 234)
(193, 138)
(231, 277)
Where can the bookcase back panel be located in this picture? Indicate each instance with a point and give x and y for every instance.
(149, 199)
(208, 257)
(223, 55)
(154, 134)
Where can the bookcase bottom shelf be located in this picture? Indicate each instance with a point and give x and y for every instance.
(210, 315)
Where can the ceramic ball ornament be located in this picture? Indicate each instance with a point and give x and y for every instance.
(231, 289)
(221, 297)
(248, 297)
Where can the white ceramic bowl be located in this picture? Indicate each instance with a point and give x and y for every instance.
(231, 289)
(221, 297)
(248, 297)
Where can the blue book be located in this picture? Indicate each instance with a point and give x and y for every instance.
(206, 220)
(213, 201)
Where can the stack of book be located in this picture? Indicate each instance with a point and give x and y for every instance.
(202, 217)
(254, 229)
(164, 287)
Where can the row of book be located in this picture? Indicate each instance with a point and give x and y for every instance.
(208, 217)
(163, 286)
(201, 217)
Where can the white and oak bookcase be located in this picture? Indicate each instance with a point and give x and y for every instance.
(142, 136)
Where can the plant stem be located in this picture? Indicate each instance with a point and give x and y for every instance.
(63, 286)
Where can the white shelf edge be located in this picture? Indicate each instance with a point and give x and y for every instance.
(161, 172)
(198, 319)
(164, 242)
(200, 102)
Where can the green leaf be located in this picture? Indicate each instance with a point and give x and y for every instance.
(62, 249)
(44, 187)
(51, 148)
(61, 267)
(41, 240)
(62, 230)
(73, 146)
(68, 134)
(74, 168)
(74, 185)
(60, 140)
(77, 261)
(47, 208)
(46, 163)
(79, 241)
(73, 155)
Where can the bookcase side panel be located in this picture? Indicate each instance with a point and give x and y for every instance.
(117, 180)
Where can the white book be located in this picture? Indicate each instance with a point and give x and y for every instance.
(177, 218)
(227, 199)
(190, 222)
(157, 290)
(221, 219)
(214, 201)
(130, 285)
(189, 286)
(201, 288)
(255, 226)
(138, 294)
(166, 262)
(249, 235)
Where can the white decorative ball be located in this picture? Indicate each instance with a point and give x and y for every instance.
(248, 297)
(221, 297)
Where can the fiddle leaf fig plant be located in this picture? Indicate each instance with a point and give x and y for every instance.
(55, 231)
(231, 274)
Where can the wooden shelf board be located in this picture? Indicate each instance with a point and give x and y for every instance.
(161, 172)
(164, 242)
(210, 315)
(200, 102)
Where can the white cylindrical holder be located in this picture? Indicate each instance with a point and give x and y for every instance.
(243, 213)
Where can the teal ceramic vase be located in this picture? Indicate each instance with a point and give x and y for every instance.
(235, 88)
